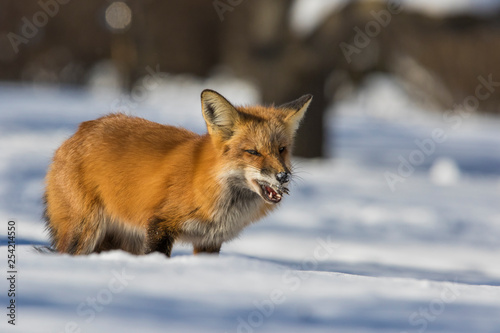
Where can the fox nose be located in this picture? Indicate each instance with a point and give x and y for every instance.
(283, 177)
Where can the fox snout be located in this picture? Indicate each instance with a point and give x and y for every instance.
(283, 177)
(271, 186)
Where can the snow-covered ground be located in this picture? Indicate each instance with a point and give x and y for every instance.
(399, 232)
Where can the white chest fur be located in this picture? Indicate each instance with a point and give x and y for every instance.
(232, 215)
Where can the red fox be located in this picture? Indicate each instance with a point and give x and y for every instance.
(123, 182)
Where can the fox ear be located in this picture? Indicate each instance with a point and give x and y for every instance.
(220, 115)
(296, 110)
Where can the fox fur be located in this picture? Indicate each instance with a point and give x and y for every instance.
(123, 182)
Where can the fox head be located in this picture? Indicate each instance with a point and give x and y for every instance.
(255, 142)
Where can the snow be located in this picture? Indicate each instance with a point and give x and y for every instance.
(447, 7)
(344, 253)
(306, 15)
(444, 171)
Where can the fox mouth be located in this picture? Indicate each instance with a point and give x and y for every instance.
(270, 193)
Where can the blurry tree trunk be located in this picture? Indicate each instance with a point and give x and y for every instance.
(260, 45)
(310, 139)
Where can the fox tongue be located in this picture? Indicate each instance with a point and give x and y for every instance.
(272, 195)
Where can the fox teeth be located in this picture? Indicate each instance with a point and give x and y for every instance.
(271, 194)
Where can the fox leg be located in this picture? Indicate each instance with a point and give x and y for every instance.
(161, 237)
(206, 249)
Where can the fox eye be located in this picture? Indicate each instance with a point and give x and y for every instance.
(253, 152)
(282, 149)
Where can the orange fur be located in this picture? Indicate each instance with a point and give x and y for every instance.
(124, 182)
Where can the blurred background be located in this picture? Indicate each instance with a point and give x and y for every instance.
(437, 51)
(400, 165)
